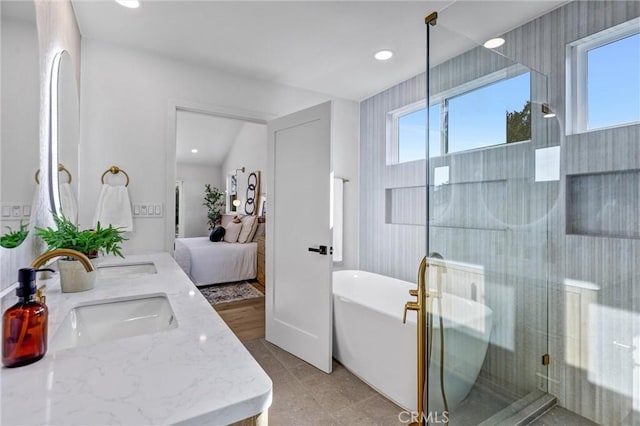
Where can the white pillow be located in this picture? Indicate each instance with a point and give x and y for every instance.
(249, 226)
(232, 231)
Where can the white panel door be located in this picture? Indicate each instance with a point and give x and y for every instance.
(299, 285)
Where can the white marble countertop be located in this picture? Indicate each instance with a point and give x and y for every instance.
(197, 373)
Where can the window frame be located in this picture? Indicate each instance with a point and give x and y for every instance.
(577, 107)
(442, 98)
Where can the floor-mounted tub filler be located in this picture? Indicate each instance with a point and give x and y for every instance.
(371, 341)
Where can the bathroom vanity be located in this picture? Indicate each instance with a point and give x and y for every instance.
(180, 364)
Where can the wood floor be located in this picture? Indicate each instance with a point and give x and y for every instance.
(246, 317)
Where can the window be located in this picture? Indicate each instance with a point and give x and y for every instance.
(411, 136)
(491, 115)
(491, 111)
(604, 86)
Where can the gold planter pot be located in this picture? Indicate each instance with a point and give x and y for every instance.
(73, 276)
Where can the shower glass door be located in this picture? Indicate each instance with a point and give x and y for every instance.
(493, 182)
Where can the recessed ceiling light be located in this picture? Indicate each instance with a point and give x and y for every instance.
(195, 151)
(383, 55)
(131, 4)
(493, 43)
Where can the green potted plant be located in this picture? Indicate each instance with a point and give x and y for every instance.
(214, 201)
(13, 239)
(89, 242)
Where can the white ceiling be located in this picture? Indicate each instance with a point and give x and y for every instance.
(212, 136)
(323, 46)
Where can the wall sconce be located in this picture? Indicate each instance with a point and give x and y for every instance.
(547, 112)
(236, 202)
(240, 169)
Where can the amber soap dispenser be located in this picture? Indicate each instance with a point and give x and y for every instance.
(24, 325)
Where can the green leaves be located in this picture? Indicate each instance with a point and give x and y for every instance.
(13, 239)
(89, 242)
(214, 201)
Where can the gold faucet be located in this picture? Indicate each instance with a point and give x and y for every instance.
(40, 260)
(419, 306)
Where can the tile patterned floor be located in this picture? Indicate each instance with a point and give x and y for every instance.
(304, 395)
(559, 416)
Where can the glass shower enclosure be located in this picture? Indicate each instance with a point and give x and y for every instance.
(532, 230)
(493, 185)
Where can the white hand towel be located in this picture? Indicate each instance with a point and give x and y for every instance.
(114, 208)
(68, 202)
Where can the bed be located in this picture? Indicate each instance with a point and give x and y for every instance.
(208, 263)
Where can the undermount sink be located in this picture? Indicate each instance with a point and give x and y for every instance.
(126, 269)
(114, 319)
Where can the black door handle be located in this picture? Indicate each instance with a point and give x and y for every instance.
(321, 250)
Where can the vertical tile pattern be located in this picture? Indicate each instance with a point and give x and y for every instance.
(494, 215)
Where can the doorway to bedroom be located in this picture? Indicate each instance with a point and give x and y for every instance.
(220, 152)
(219, 159)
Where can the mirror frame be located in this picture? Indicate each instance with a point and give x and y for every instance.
(52, 152)
(53, 157)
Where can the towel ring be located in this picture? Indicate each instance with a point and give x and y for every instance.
(115, 170)
(61, 168)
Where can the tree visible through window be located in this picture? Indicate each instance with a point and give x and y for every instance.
(519, 124)
(492, 114)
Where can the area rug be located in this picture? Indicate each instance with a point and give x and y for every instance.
(232, 292)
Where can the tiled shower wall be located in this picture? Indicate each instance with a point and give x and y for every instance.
(548, 266)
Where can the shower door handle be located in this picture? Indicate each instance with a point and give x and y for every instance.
(320, 250)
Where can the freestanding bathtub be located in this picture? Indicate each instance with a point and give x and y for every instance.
(371, 341)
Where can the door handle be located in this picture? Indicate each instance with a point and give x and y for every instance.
(320, 250)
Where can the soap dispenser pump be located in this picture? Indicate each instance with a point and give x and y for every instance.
(24, 325)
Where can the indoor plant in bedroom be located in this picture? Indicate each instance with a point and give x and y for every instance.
(214, 201)
(89, 242)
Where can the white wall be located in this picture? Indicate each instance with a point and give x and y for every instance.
(20, 114)
(194, 177)
(249, 150)
(124, 120)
